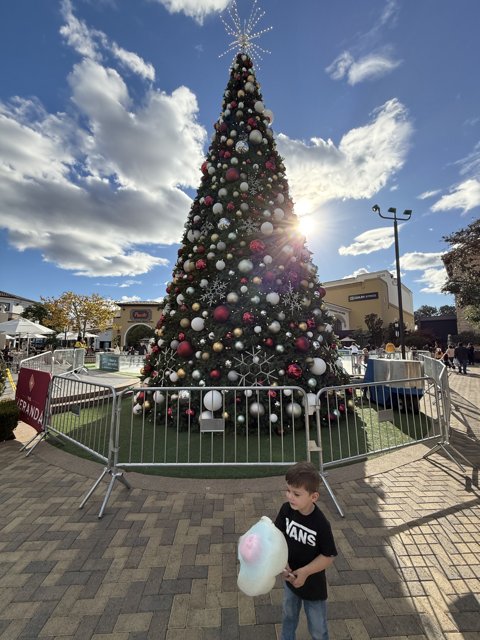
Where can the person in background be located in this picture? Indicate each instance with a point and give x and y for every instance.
(471, 353)
(450, 352)
(461, 356)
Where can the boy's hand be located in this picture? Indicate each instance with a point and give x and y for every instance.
(298, 577)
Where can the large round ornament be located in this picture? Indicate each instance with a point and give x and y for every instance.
(256, 409)
(198, 324)
(255, 136)
(318, 366)
(294, 409)
(212, 400)
(244, 266)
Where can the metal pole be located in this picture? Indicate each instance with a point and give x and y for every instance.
(406, 216)
(399, 287)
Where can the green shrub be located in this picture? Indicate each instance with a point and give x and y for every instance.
(8, 419)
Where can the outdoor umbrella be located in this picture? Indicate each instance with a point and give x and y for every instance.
(25, 329)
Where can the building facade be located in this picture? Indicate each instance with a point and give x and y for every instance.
(134, 314)
(367, 293)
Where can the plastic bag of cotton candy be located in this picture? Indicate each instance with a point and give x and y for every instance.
(263, 554)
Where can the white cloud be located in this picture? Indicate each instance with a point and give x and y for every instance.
(465, 196)
(434, 280)
(370, 241)
(197, 9)
(134, 62)
(356, 273)
(94, 44)
(367, 67)
(70, 185)
(434, 274)
(360, 166)
(129, 299)
(428, 194)
(416, 260)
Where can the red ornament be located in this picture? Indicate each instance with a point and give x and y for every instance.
(200, 248)
(181, 336)
(208, 201)
(230, 206)
(232, 174)
(322, 292)
(201, 264)
(221, 313)
(272, 394)
(269, 342)
(256, 246)
(302, 344)
(227, 155)
(189, 412)
(214, 374)
(243, 280)
(294, 371)
(204, 167)
(252, 122)
(248, 317)
(185, 349)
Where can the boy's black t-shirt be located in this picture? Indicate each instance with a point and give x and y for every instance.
(307, 537)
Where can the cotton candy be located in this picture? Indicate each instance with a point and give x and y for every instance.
(263, 554)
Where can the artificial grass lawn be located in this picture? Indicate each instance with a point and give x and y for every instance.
(356, 434)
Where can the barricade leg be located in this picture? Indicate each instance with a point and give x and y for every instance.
(114, 475)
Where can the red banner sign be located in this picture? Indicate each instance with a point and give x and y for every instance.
(31, 396)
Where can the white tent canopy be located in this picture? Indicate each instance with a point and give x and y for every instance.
(24, 328)
(73, 335)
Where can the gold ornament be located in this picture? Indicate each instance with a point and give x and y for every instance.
(215, 237)
(257, 280)
(240, 93)
(237, 332)
(303, 326)
(142, 371)
(196, 306)
(205, 355)
(226, 415)
(217, 347)
(251, 78)
(184, 323)
(229, 142)
(147, 405)
(181, 373)
(304, 283)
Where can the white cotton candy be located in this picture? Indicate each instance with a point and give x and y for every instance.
(263, 554)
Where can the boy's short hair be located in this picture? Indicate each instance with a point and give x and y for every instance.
(304, 475)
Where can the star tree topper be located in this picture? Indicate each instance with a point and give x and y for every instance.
(245, 33)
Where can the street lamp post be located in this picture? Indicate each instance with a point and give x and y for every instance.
(406, 216)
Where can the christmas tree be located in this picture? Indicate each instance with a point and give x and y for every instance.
(244, 306)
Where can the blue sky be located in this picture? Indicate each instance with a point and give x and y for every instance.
(107, 108)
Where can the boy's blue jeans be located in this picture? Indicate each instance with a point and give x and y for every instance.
(315, 610)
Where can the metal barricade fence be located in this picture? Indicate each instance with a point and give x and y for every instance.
(60, 361)
(83, 414)
(360, 420)
(212, 426)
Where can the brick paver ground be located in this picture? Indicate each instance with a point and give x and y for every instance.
(161, 564)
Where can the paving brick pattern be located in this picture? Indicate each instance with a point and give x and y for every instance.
(161, 564)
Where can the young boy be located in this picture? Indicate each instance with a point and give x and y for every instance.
(311, 549)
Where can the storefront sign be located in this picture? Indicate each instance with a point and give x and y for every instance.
(31, 396)
(363, 296)
(141, 314)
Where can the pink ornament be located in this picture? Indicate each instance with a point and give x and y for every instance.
(200, 264)
(302, 344)
(221, 313)
(256, 246)
(185, 349)
(215, 374)
(208, 201)
(232, 174)
(248, 317)
(294, 371)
